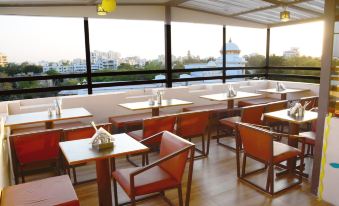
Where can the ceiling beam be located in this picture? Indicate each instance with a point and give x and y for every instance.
(221, 15)
(86, 4)
(175, 2)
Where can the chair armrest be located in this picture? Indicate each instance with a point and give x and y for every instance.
(151, 137)
(262, 126)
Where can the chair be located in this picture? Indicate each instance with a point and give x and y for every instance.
(77, 133)
(256, 101)
(164, 174)
(313, 99)
(152, 126)
(310, 137)
(35, 149)
(277, 125)
(192, 125)
(259, 144)
(250, 114)
(50, 191)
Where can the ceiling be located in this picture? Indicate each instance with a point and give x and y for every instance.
(260, 11)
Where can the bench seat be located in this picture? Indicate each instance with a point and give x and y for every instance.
(42, 127)
(50, 191)
(251, 102)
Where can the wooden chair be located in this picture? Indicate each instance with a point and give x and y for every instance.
(192, 125)
(310, 137)
(313, 99)
(250, 114)
(152, 126)
(77, 133)
(259, 144)
(34, 150)
(164, 174)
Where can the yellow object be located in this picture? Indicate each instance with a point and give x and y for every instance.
(100, 10)
(109, 5)
(323, 160)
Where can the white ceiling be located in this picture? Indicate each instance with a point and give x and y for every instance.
(259, 11)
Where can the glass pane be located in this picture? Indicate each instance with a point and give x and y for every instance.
(38, 46)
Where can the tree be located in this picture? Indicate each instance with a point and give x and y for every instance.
(6, 85)
(256, 60)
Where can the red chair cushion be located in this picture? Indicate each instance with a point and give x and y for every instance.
(282, 152)
(51, 191)
(230, 121)
(152, 180)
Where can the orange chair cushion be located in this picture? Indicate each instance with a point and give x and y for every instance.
(129, 120)
(309, 137)
(51, 191)
(282, 152)
(137, 135)
(230, 121)
(251, 102)
(152, 180)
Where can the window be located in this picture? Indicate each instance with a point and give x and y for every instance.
(297, 46)
(196, 46)
(38, 46)
(126, 45)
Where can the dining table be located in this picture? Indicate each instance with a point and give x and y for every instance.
(282, 93)
(294, 128)
(230, 100)
(81, 151)
(44, 117)
(154, 105)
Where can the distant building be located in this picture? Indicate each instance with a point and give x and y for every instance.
(293, 52)
(233, 59)
(3, 60)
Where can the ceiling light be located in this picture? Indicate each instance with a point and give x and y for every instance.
(100, 10)
(285, 15)
(109, 5)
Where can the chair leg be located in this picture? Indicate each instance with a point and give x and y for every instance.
(243, 166)
(271, 173)
(74, 175)
(181, 203)
(203, 144)
(268, 181)
(133, 202)
(22, 175)
(208, 143)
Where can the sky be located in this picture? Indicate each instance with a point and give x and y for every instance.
(35, 39)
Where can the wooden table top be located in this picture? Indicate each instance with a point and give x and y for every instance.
(274, 91)
(282, 115)
(223, 96)
(81, 151)
(38, 117)
(146, 105)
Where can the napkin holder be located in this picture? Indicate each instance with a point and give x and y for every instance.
(102, 140)
(280, 87)
(296, 111)
(231, 91)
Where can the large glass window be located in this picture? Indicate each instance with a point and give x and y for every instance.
(296, 46)
(196, 46)
(126, 45)
(245, 47)
(37, 46)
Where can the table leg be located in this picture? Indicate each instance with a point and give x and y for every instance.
(293, 130)
(104, 182)
(115, 189)
(230, 104)
(49, 125)
(155, 112)
(283, 96)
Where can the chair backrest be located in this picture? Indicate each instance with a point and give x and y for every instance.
(276, 106)
(83, 132)
(253, 114)
(36, 146)
(171, 143)
(155, 125)
(256, 142)
(313, 99)
(192, 124)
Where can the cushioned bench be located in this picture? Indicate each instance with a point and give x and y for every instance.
(125, 123)
(50, 191)
(250, 102)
